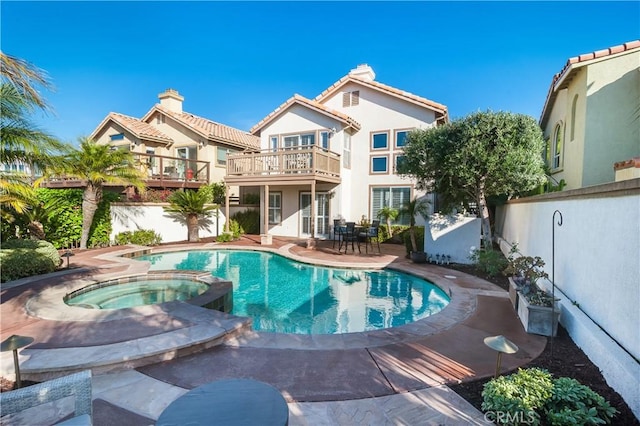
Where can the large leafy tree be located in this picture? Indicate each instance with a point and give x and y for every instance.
(21, 141)
(96, 165)
(481, 155)
(192, 205)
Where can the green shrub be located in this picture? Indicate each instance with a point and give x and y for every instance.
(64, 225)
(490, 261)
(235, 229)
(515, 399)
(573, 403)
(224, 237)
(397, 233)
(25, 258)
(142, 237)
(531, 395)
(249, 221)
(419, 230)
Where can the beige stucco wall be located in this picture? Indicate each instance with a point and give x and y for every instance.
(612, 120)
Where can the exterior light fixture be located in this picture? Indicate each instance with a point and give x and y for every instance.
(501, 345)
(13, 343)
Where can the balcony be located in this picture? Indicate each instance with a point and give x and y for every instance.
(161, 172)
(285, 166)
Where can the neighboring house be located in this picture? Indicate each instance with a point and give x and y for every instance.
(333, 157)
(591, 117)
(175, 148)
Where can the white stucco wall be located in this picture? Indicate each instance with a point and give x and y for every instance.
(453, 236)
(597, 265)
(375, 112)
(134, 216)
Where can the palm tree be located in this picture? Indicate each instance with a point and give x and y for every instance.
(412, 208)
(97, 165)
(388, 214)
(22, 142)
(192, 205)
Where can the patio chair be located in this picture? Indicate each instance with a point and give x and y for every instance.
(77, 385)
(349, 235)
(338, 225)
(368, 234)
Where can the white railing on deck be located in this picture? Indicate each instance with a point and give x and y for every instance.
(307, 160)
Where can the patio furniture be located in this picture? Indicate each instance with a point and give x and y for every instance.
(228, 402)
(368, 234)
(77, 385)
(338, 225)
(348, 235)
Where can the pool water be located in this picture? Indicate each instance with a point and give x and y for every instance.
(135, 293)
(286, 296)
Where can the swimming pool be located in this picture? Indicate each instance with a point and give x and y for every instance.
(285, 296)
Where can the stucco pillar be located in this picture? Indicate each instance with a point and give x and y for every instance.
(265, 238)
(226, 208)
(311, 241)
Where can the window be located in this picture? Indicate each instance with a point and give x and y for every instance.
(557, 147)
(379, 164)
(573, 117)
(275, 208)
(117, 137)
(346, 151)
(399, 159)
(394, 197)
(273, 141)
(159, 119)
(401, 138)
(302, 140)
(324, 140)
(221, 155)
(380, 140)
(351, 98)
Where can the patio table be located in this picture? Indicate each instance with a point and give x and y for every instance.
(228, 402)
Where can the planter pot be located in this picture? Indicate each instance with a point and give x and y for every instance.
(514, 296)
(537, 319)
(418, 257)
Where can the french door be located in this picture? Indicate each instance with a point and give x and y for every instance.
(322, 214)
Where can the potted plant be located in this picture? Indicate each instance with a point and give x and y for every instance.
(412, 208)
(533, 305)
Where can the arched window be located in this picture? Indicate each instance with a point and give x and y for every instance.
(557, 147)
(573, 117)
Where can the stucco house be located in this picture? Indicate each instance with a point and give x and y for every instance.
(591, 116)
(175, 148)
(334, 156)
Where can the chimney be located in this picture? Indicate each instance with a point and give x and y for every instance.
(171, 100)
(364, 72)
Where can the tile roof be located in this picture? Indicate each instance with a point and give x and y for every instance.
(210, 129)
(308, 103)
(578, 61)
(440, 109)
(137, 127)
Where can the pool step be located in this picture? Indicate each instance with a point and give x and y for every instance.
(209, 329)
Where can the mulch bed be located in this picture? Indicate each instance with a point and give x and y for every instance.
(561, 357)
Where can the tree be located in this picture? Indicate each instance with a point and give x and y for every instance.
(22, 142)
(97, 165)
(484, 154)
(388, 214)
(412, 208)
(192, 205)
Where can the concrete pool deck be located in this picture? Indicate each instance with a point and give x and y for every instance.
(396, 375)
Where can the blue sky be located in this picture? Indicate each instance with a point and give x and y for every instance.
(234, 62)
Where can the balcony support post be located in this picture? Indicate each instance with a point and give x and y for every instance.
(226, 208)
(265, 238)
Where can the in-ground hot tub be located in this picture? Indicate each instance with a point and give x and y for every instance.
(199, 289)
